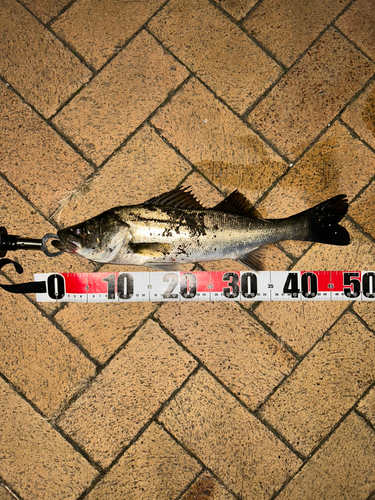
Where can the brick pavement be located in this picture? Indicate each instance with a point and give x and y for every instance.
(108, 102)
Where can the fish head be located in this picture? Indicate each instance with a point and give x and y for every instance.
(99, 239)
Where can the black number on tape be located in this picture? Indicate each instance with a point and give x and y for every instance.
(291, 285)
(173, 278)
(234, 290)
(309, 285)
(352, 280)
(367, 277)
(249, 285)
(125, 286)
(56, 286)
(188, 285)
(111, 280)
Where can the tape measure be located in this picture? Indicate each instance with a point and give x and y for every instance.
(206, 286)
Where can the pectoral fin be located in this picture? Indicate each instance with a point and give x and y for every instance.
(152, 250)
(156, 252)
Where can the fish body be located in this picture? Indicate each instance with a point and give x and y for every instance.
(174, 229)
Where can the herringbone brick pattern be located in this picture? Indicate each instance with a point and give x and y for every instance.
(111, 102)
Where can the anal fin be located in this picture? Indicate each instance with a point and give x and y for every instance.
(254, 259)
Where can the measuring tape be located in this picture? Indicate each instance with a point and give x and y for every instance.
(206, 286)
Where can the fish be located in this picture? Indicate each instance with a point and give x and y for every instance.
(174, 228)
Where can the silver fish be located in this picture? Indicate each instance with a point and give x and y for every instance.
(174, 229)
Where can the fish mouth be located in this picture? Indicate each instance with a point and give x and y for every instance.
(67, 246)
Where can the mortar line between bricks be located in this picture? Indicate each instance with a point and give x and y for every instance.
(60, 13)
(312, 143)
(323, 130)
(363, 89)
(220, 99)
(171, 93)
(51, 423)
(129, 338)
(300, 360)
(247, 34)
(122, 145)
(58, 327)
(73, 341)
(24, 198)
(244, 116)
(363, 417)
(274, 335)
(233, 19)
(299, 58)
(135, 438)
(360, 228)
(65, 44)
(110, 58)
(303, 53)
(184, 158)
(361, 320)
(321, 444)
(254, 413)
(10, 489)
(49, 124)
(353, 133)
(253, 9)
(358, 195)
(353, 43)
(199, 460)
(97, 72)
(338, 423)
(99, 369)
(190, 484)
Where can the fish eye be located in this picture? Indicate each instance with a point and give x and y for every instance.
(78, 232)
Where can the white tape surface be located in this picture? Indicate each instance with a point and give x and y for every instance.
(207, 286)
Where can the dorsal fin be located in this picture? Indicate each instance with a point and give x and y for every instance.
(238, 204)
(177, 198)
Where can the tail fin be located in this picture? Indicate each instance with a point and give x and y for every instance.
(321, 222)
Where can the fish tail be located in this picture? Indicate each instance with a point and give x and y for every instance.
(321, 223)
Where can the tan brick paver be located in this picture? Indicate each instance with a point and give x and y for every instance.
(360, 115)
(153, 467)
(216, 50)
(358, 23)
(288, 27)
(88, 118)
(207, 485)
(124, 397)
(126, 178)
(34, 454)
(38, 65)
(324, 386)
(98, 29)
(311, 94)
(217, 142)
(28, 146)
(339, 468)
(228, 342)
(108, 102)
(259, 463)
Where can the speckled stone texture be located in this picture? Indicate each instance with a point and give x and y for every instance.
(106, 103)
